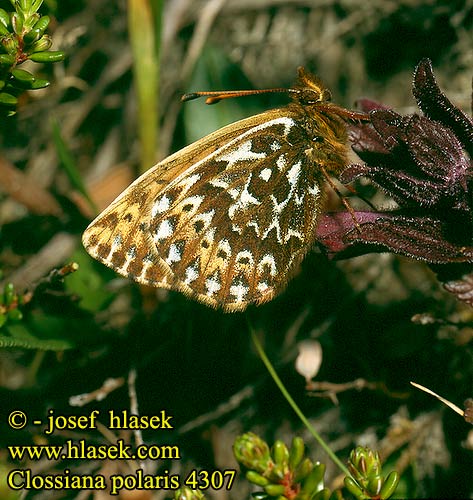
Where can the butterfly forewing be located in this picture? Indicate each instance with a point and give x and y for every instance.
(227, 219)
(226, 226)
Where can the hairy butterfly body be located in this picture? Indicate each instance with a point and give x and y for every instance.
(227, 219)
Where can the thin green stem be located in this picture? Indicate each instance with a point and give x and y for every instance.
(142, 30)
(293, 404)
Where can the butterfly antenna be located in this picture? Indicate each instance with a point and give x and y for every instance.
(214, 97)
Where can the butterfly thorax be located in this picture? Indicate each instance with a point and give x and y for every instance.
(325, 128)
(326, 136)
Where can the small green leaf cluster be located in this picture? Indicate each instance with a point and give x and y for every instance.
(10, 302)
(22, 37)
(282, 472)
(367, 481)
(186, 493)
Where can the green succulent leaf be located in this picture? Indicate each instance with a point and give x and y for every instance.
(7, 99)
(39, 84)
(256, 478)
(389, 485)
(41, 45)
(48, 56)
(7, 59)
(4, 19)
(3, 29)
(275, 490)
(315, 480)
(296, 453)
(22, 75)
(17, 20)
(8, 294)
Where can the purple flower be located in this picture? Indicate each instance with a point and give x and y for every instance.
(424, 162)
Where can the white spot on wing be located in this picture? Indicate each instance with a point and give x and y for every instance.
(174, 254)
(188, 182)
(246, 197)
(212, 285)
(239, 291)
(224, 245)
(206, 218)
(191, 274)
(244, 200)
(210, 235)
(164, 230)
(315, 191)
(241, 153)
(265, 174)
(219, 182)
(281, 163)
(117, 242)
(237, 229)
(293, 232)
(245, 254)
(262, 287)
(160, 205)
(195, 201)
(293, 174)
(234, 193)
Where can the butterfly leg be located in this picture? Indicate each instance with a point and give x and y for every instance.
(343, 199)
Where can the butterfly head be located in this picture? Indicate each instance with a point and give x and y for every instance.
(309, 89)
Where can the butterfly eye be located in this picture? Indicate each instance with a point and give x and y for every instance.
(310, 97)
(318, 138)
(326, 95)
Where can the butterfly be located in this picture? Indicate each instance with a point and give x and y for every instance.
(227, 219)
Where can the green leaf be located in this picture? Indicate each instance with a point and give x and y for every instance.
(42, 24)
(17, 20)
(201, 119)
(8, 294)
(89, 284)
(7, 59)
(3, 29)
(40, 84)
(48, 56)
(22, 75)
(389, 486)
(7, 99)
(36, 4)
(41, 45)
(20, 336)
(69, 165)
(31, 36)
(4, 18)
